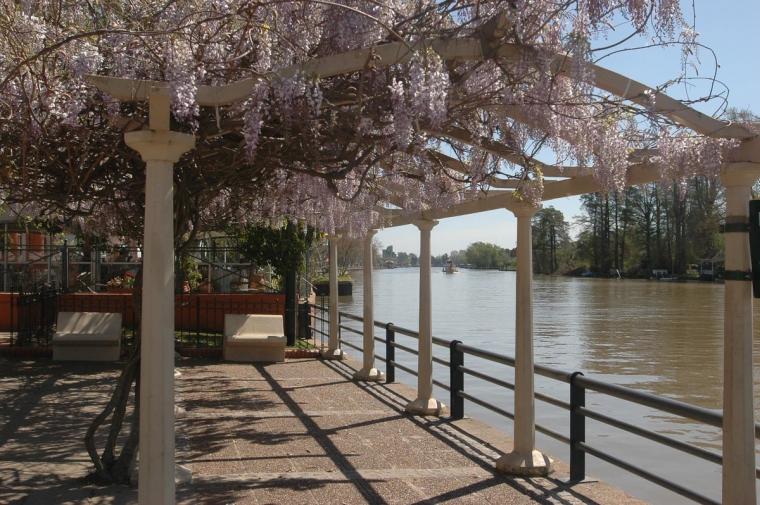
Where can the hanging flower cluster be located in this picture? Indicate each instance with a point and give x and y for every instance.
(332, 150)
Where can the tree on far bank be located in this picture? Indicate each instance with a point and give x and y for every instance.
(552, 248)
(663, 225)
(486, 255)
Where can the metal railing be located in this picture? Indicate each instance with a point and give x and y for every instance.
(75, 268)
(578, 411)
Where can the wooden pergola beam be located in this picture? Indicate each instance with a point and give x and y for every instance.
(492, 201)
(463, 48)
(641, 173)
(507, 153)
(462, 168)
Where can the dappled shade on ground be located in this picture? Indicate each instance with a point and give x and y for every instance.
(294, 432)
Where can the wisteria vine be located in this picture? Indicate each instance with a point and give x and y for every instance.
(334, 151)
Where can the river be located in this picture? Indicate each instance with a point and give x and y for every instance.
(660, 337)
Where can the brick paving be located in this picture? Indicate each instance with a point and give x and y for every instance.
(298, 432)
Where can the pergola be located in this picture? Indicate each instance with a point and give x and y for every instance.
(160, 148)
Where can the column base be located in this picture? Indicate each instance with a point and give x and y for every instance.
(369, 375)
(182, 474)
(534, 464)
(333, 354)
(429, 407)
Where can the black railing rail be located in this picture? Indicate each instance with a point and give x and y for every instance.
(317, 319)
(579, 412)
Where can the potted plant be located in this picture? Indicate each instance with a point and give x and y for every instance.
(322, 285)
(121, 284)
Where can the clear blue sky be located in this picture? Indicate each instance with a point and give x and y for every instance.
(731, 28)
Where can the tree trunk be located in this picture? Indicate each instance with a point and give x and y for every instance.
(110, 468)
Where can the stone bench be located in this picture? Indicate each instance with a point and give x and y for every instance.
(254, 337)
(87, 336)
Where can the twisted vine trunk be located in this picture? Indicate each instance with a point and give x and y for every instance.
(112, 466)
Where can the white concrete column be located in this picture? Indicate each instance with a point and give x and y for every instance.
(160, 150)
(333, 350)
(425, 404)
(368, 371)
(738, 408)
(524, 458)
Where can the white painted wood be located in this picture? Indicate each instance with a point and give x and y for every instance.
(160, 150)
(492, 201)
(333, 350)
(333, 280)
(378, 56)
(738, 407)
(368, 371)
(635, 91)
(525, 438)
(524, 459)
(501, 150)
(463, 168)
(425, 404)
(465, 48)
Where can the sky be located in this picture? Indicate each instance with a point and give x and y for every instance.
(730, 27)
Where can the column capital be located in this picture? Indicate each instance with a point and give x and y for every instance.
(165, 146)
(370, 233)
(425, 224)
(334, 237)
(522, 209)
(740, 174)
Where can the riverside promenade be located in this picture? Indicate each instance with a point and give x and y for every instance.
(299, 432)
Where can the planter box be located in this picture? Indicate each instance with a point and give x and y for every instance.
(345, 288)
(301, 353)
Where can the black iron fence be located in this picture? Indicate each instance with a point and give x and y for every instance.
(75, 268)
(317, 324)
(32, 316)
(577, 436)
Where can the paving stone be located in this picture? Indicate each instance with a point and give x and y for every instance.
(299, 432)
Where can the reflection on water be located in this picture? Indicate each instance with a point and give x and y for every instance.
(664, 338)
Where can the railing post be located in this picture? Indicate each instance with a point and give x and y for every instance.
(390, 354)
(340, 331)
(456, 360)
(577, 430)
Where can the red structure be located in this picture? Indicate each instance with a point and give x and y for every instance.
(192, 312)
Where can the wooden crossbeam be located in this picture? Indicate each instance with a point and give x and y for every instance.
(463, 48)
(462, 168)
(505, 152)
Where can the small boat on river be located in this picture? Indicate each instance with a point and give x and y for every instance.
(450, 268)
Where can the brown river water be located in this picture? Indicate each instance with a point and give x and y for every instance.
(664, 338)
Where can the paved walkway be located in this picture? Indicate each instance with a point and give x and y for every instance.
(292, 433)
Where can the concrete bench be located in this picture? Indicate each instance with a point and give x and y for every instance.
(87, 336)
(253, 337)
